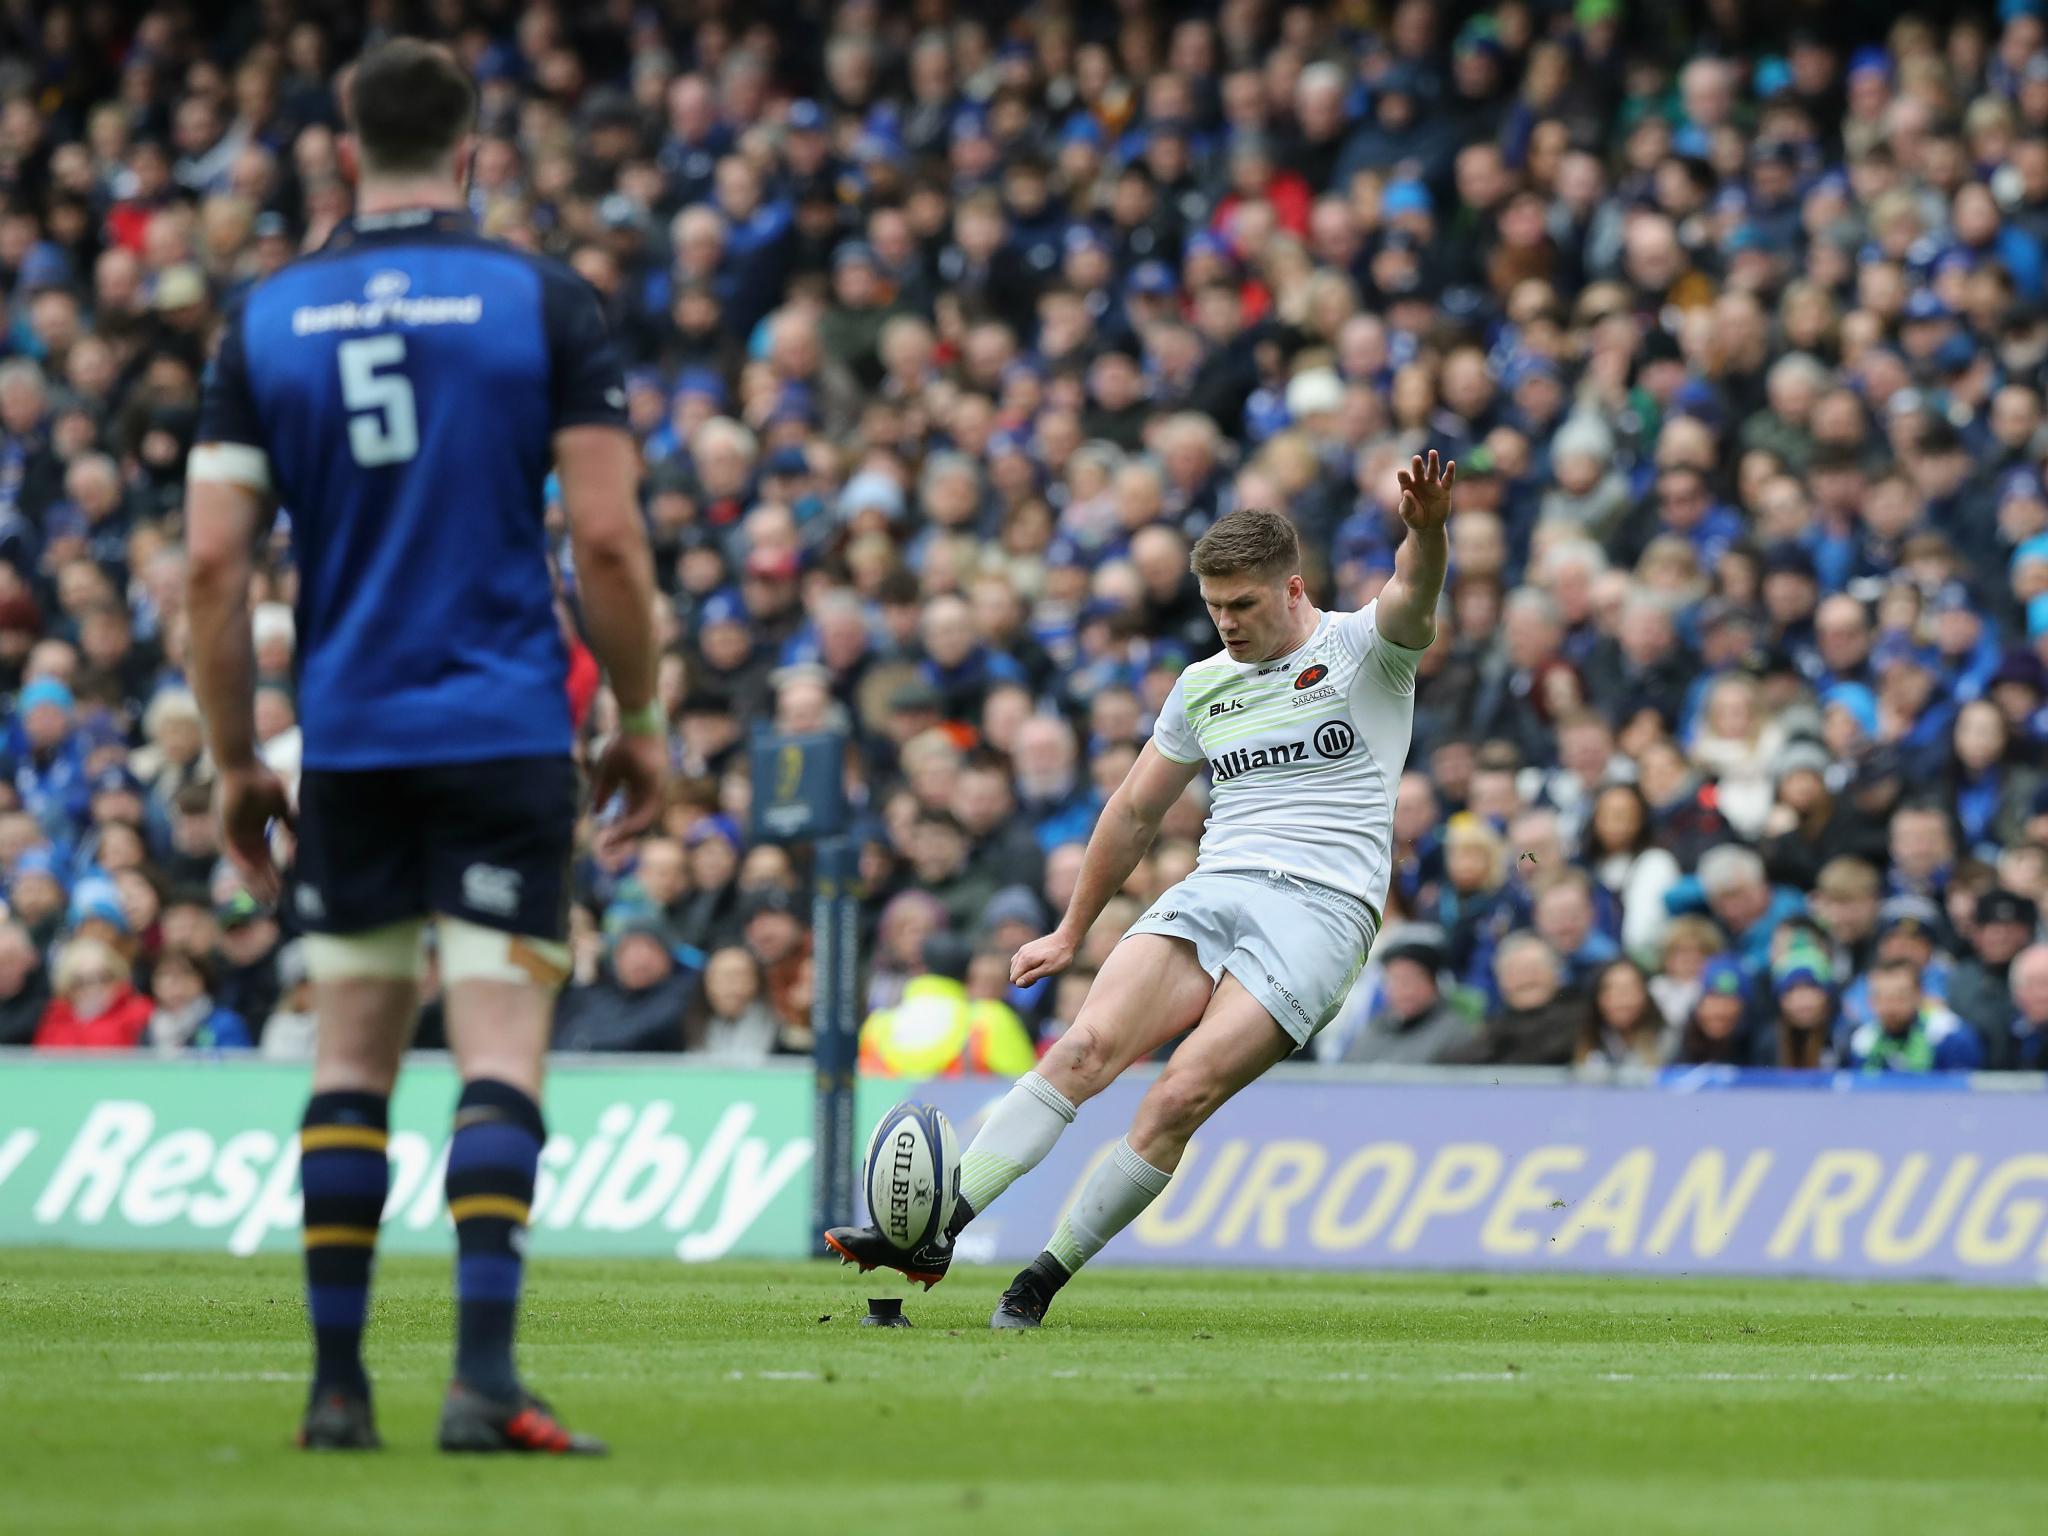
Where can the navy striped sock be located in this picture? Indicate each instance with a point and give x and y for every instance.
(491, 1167)
(344, 1174)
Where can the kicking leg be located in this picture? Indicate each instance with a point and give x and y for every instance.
(366, 1001)
(501, 993)
(1236, 1042)
(1150, 990)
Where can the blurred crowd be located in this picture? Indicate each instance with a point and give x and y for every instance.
(950, 327)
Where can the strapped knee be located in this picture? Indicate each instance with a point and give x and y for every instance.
(472, 952)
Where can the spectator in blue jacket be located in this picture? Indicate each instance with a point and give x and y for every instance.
(1910, 1032)
(186, 1018)
(1731, 885)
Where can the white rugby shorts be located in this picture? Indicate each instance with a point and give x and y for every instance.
(1295, 944)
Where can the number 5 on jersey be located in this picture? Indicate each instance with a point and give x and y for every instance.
(383, 427)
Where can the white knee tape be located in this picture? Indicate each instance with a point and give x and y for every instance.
(390, 953)
(471, 952)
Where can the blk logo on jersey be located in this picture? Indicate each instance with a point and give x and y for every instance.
(1226, 707)
(1312, 676)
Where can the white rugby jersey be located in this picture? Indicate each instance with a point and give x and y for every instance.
(1305, 753)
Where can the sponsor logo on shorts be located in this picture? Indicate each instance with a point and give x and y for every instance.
(1292, 1001)
(1334, 738)
(491, 889)
(311, 904)
(1312, 676)
(1226, 707)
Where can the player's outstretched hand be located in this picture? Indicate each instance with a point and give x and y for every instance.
(633, 765)
(250, 800)
(1426, 491)
(1041, 957)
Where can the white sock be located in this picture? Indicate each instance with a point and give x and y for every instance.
(1116, 1194)
(1013, 1140)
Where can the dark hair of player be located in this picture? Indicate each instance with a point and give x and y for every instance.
(1249, 541)
(410, 103)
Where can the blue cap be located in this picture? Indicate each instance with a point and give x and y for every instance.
(969, 123)
(2030, 550)
(701, 381)
(43, 266)
(1153, 279)
(116, 780)
(1898, 651)
(1870, 59)
(1771, 76)
(1926, 304)
(707, 827)
(1801, 973)
(1084, 237)
(1722, 976)
(722, 607)
(96, 899)
(797, 402)
(805, 116)
(1857, 699)
(1081, 128)
(1064, 553)
(786, 461)
(2037, 616)
(63, 520)
(46, 690)
(2019, 485)
(37, 861)
(872, 489)
(855, 252)
(1207, 243)
(639, 379)
(1524, 366)
(1402, 197)
(1953, 596)
(1008, 442)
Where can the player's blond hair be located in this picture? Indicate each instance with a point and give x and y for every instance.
(1252, 541)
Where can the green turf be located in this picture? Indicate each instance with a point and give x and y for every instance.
(156, 1394)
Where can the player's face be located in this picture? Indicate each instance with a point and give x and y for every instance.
(1252, 614)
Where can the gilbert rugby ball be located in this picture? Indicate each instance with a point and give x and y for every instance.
(913, 1175)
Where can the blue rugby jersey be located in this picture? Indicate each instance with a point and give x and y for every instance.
(404, 383)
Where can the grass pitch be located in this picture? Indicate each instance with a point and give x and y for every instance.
(157, 1394)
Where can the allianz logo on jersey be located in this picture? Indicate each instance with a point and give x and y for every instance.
(385, 302)
(1333, 739)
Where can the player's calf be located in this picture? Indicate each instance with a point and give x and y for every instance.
(345, 1176)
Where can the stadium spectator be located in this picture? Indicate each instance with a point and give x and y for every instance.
(730, 1021)
(936, 1029)
(2023, 1043)
(288, 1034)
(1414, 1023)
(1624, 1025)
(95, 1007)
(24, 987)
(640, 1001)
(186, 1018)
(1910, 1032)
(1539, 1019)
(1980, 987)
(1717, 1031)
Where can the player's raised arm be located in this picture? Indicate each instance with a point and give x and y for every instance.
(1407, 611)
(1125, 829)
